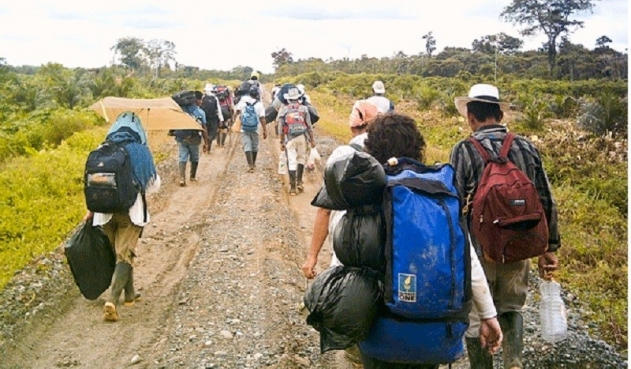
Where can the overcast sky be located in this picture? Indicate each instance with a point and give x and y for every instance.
(214, 34)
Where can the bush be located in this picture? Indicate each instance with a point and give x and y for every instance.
(605, 113)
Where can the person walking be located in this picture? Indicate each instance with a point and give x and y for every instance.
(188, 140)
(381, 133)
(252, 113)
(214, 116)
(295, 134)
(123, 229)
(484, 112)
(379, 99)
(326, 220)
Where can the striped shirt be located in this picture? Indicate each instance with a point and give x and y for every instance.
(469, 165)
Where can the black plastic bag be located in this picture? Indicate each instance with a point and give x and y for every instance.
(313, 113)
(343, 302)
(91, 259)
(355, 179)
(270, 114)
(360, 236)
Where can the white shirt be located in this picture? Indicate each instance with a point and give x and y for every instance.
(381, 102)
(258, 107)
(136, 212)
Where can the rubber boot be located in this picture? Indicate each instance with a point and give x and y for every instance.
(248, 157)
(182, 174)
(194, 170)
(292, 182)
(254, 158)
(512, 324)
(130, 293)
(479, 358)
(299, 173)
(119, 280)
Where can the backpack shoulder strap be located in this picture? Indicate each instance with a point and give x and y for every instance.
(508, 140)
(357, 147)
(481, 150)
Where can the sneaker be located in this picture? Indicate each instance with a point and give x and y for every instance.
(292, 192)
(300, 187)
(182, 183)
(251, 170)
(109, 312)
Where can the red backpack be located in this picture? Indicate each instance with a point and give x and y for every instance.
(507, 217)
(295, 121)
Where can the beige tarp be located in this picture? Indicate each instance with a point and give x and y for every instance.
(155, 114)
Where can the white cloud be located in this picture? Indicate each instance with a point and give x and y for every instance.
(221, 35)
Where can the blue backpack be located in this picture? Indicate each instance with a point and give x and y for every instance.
(249, 118)
(427, 284)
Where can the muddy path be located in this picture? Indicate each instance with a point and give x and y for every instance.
(219, 272)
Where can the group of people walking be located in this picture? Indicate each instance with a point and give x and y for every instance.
(499, 289)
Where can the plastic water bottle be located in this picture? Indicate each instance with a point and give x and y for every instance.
(552, 312)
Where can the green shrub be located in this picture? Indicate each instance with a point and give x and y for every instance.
(605, 113)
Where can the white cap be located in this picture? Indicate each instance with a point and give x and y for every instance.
(378, 87)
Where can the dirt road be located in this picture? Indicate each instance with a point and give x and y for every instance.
(219, 272)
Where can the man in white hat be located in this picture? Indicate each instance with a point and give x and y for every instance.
(383, 104)
(295, 133)
(484, 111)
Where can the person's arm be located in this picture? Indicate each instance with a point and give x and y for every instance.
(89, 215)
(320, 232)
(264, 126)
(490, 331)
(309, 127)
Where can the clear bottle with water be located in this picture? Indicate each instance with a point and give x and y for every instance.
(552, 314)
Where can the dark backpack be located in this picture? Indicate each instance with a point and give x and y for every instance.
(249, 118)
(427, 284)
(507, 217)
(209, 106)
(184, 98)
(109, 183)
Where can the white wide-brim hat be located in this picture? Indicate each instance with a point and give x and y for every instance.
(209, 87)
(483, 93)
(378, 87)
(292, 94)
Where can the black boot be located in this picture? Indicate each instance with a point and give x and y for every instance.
(254, 158)
(292, 182)
(182, 168)
(248, 157)
(479, 358)
(119, 280)
(130, 293)
(194, 170)
(299, 173)
(512, 324)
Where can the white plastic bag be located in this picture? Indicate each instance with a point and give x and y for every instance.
(314, 157)
(282, 163)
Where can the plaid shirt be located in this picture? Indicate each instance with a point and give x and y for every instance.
(468, 165)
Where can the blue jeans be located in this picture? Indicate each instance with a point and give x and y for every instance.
(250, 141)
(187, 150)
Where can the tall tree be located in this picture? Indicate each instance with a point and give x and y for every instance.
(282, 57)
(159, 53)
(602, 41)
(430, 43)
(552, 17)
(501, 42)
(129, 50)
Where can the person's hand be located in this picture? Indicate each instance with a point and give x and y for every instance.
(547, 263)
(491, 335)
(282, 147)
(308, 266)
(205, 149)
(313, 145)
(89, 215)
(264, 134)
